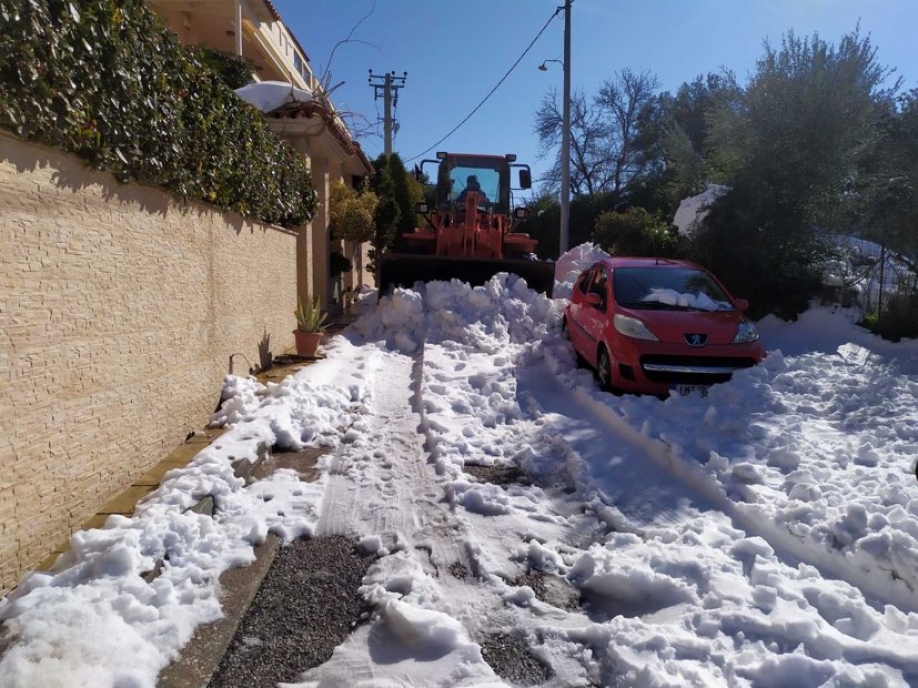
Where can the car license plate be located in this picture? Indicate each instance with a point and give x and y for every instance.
(685, 390)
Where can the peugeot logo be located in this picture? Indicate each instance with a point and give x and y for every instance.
(696, 339)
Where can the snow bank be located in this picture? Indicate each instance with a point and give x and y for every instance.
(822, 445)
(571, 264)
(484, 318)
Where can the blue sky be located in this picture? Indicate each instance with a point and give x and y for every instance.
(456, 52)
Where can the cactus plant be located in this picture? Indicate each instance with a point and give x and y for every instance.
(310, 317)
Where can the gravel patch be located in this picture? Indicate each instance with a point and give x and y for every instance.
(551, 589)
(498, 475)
(512, 659)
(307, 605)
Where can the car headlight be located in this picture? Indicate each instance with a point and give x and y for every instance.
(632, 327)
(746, 333)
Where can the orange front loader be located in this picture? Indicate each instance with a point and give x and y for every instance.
(469, 228)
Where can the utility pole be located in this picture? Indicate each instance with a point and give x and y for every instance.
(566, 136)
(389, 85)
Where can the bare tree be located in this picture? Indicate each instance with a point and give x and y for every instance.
(605, 154)
(587, 132)
(358, 124)
(628, 102)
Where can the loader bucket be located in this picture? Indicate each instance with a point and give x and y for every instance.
(403, 270)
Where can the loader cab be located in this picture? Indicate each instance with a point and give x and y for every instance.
(464, 178)
(491, 171)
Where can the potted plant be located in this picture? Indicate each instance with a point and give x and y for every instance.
(310, 326)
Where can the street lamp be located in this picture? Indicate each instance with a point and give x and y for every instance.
(564, 239)
(543, 67)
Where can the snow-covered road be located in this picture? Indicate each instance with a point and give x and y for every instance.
(764, 535)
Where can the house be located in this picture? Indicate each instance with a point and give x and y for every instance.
(254, 29)
(123, 302)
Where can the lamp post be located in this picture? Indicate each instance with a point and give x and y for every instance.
(564, 238)
(566, 137)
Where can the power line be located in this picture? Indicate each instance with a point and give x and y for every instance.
(491, 92)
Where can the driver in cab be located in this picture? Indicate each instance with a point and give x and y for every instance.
(471, 184)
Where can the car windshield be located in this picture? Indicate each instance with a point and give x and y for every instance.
(666, 287)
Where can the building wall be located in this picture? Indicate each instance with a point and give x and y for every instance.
(120, 309)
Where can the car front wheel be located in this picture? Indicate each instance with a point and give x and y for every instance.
(604, 369)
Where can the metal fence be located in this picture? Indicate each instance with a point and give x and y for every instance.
(862, 276)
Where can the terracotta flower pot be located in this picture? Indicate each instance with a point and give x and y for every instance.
(307, 343)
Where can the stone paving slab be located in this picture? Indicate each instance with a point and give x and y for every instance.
(201, 655)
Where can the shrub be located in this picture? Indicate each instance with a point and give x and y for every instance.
(351, 212)
(339, 264)
(634, 232)
(762, 251)
(899, 319)
(103, 79)
(234, 70)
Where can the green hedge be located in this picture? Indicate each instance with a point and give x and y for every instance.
(104, 79)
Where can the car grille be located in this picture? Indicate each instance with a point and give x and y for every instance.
(692, 370)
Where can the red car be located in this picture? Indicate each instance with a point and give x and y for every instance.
(653, 325)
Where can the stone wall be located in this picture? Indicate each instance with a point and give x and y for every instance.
(120, 309)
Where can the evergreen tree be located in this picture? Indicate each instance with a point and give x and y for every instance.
(803, 127)
(388, 213)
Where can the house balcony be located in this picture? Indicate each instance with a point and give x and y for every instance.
(263, 38)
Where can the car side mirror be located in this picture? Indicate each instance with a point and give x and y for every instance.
(742, 305)
(592, 299)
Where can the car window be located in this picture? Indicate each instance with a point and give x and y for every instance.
(665, 287)
(584, 280)
(599, 285)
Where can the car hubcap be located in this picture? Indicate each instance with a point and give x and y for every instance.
(604, 373)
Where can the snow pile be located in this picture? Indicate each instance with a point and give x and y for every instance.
(571, 264)
(487, 317)
(692, 211)
(826, 331)
(714, 611)
(268, 96)
(823, 447)
(735, 616)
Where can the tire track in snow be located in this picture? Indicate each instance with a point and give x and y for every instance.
(391, 484)
(790, 548)
(385, 485)
(641, 500)
(364, 493)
